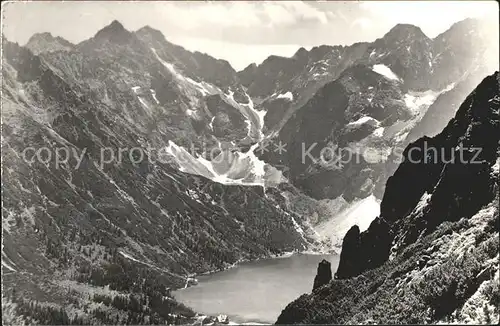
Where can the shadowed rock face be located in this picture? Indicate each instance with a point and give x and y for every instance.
(364, 250)
(335, 86)
(349, 259)
(324, 122)
(324, 274)
(457, 189)
(438, 225)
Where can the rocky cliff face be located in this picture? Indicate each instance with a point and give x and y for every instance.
(45, 42)
(394, 90)
(342, 115)
(174, 96)
(397, 271)
(408, 52)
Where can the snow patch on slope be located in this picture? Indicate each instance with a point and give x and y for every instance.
(419, 102)
(360, 212)
(385, 71)
(288, 96)
(211, 124)
(130, 257)
(363, 120)
(9, 267)
(379, 132)
(415, 101)
(200, 87)
(260, 117)
(254, 118)
(145, 105)
(153, 93)
(297, 226)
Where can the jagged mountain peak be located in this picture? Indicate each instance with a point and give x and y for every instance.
(301, 53)
(318, 52)
(115, 24)
(114, 32)
(274, 58)
(361, 74)
(42, 35)
(46, 42)
(251, 66)
(463, 26)
(478, 30)
(406, 28)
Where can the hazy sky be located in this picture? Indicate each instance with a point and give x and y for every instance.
(240, 32)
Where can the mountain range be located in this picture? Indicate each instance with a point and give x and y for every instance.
(200, 184)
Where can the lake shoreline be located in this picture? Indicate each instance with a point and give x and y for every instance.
(240, 261)
(254, 291)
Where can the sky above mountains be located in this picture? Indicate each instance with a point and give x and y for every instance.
(241, 32)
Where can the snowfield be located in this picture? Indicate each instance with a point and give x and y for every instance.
(229, 168)
(360, 212)
(363, 120)
(288, 95)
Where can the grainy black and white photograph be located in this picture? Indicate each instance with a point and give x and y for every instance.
(250, 162)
